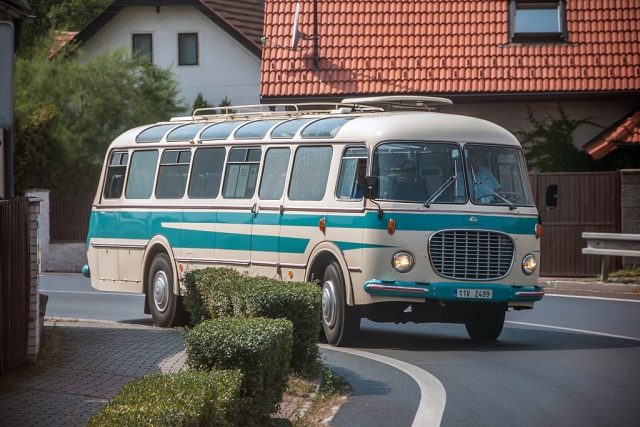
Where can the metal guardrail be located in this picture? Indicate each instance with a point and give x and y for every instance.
(611, 244)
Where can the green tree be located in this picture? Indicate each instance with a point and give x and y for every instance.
(549, 146)
(68, 111)
(73, 15)
(200, 102)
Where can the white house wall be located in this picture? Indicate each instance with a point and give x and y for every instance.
(226, 67)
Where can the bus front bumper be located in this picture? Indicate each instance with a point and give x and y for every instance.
(452, 291)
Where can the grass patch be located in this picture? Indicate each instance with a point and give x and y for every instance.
(311, 400)
(629, 272)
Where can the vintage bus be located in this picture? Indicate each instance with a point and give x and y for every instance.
(398, 212)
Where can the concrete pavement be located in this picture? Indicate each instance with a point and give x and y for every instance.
(89, 363)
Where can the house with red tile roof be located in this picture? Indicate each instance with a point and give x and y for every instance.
(212, 46)
(496, 59)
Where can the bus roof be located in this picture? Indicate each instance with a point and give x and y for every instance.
(349, 121)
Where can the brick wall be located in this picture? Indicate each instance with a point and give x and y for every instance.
(36, 322)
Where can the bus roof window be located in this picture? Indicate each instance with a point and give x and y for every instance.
(185, 132)
(255, 130)
(154, 133)
(325, 128)
(220, 130)
(289, 128)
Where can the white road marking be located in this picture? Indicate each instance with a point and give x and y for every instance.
(433, 396)
(581, 331)
(93, 293)
(596, 298)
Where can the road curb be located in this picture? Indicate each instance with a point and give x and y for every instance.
(591, 287)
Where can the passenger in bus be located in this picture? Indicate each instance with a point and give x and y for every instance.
(409, 188)
(485, 183)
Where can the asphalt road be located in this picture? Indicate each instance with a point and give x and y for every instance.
(569, 362)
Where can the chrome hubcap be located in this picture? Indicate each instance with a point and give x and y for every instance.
(329, 303)
(161, 291)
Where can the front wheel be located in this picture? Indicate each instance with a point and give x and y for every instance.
(339, 321)
(487, 323)
(165, 306)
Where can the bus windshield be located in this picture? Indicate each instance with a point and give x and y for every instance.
(495, 176)
(442, 172)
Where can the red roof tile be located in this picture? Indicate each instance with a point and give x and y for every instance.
(447, 47)
(625, 132)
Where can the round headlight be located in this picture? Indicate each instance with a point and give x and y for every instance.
(402, 262)
(529, 264)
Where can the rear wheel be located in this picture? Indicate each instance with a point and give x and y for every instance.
(339, 321)
(486, 324)
(165, 306)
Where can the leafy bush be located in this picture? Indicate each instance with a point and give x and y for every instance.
(221, 292)
(260, 348)
(188, 398)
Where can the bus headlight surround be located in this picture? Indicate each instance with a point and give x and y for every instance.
(529, 264)
(402, 262)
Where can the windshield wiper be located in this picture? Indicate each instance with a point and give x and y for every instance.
(440, 190)
(512, 205)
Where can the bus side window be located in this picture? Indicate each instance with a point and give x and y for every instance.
(116, 170)
(353, 168)
(274, 173)
(172, 174)
(310, 173)
(241, 173)
(206, 173)
(142, 173)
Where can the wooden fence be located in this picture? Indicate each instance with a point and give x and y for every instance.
(587, 201)
(69, 218)
(14, 282)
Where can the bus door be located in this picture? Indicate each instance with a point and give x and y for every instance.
(234, 228)
(268, 211)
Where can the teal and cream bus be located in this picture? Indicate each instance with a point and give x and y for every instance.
(398, 212)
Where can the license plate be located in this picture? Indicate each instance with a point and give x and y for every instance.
(474, 293)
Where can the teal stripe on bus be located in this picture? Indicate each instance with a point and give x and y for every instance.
(142, 225)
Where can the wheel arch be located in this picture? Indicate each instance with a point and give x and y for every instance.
(321, 256)
(157, 245)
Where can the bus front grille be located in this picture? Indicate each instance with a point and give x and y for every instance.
(471, 254)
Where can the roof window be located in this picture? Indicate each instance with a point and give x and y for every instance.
(289, 128)
(219, 130)
(154, 133)
(185, 133)
(255, 130)
(537, 21)
(325, 128)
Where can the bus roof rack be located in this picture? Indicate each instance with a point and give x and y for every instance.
(372, 104)
(400, 102)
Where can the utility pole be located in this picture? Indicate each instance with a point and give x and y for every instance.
(6, 105)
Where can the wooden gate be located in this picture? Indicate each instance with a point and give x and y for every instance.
(14, 282)
(587, 201)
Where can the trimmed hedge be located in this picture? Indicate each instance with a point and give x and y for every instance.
(221, 292)
(260, 348)
(187, 398)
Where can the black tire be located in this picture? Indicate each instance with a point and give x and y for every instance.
(165, 306)
(486, 324)
(339, 321)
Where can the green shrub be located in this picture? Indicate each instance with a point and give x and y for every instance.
(210, 292)
(299, 302)
(260, 348)
(187, 398)
(221, 292)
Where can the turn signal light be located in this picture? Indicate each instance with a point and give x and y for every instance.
(538, 231)
(391, 226)
(322, 225)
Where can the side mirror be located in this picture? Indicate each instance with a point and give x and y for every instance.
(552, 196)
(371, 187)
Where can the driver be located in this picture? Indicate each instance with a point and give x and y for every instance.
(484, 183)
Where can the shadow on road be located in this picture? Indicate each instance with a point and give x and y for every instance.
(512, 339)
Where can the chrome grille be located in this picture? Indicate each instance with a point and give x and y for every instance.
(471, 254)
